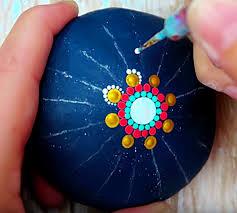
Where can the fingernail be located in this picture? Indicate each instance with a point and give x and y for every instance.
(74, 3)
(231, 91)
(213, 24)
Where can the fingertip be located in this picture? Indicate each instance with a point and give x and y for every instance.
(46, 194)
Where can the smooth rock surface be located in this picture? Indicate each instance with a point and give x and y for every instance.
(72, 145)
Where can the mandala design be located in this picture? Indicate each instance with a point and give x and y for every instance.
(142, 109)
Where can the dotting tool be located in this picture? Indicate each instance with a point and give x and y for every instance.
(175, 28)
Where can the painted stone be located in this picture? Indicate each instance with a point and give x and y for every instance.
(115, 129)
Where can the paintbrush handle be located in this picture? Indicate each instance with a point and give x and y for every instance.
(176, 26)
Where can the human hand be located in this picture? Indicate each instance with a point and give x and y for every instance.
(213, 26)
(23, 57)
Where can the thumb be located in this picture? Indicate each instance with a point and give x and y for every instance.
(23, 56)
(213, 26)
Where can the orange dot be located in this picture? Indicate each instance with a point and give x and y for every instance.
(127, 141)
(170, 99)
(168, 126)
(154, 81)
(150, 142)
(112, 120)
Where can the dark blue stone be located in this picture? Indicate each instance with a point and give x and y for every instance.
(73, 147)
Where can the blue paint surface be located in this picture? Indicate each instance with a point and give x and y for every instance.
(78, 153)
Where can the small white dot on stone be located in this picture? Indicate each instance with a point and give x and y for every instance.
(120, 89)
(138, 73)
(106, 100)
(109, 87)
(129, 71)
(140, 76)
(134, 71)
(117, 87)
(105, 96)
(137, 51)
(105, 91)
(113, 86)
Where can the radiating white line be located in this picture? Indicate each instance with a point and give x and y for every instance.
(91, 85)
(66, 131)
(116, 45)
(60, 72)
(162, 57)
(68, 101)
(177, 161)
(104, 67)
(111, 174)
(131, 182)
(190, 92)
(98, 151)
(179, 70)
(157, 170)
(108, 32)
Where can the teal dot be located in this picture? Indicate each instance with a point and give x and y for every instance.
(159, 111)
(147, 127)
(156, 118)
(143, 94)
(154, 98)
(149, 95)
(152, 123)
(132, 98)
(137, 94)
(135, 125)
(130, 122)
(141, 127)
(157, 104)
(127, 110)
(127, 116)
(129, 104)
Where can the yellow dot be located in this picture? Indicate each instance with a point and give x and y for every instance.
(114, 96)
(132, 80)
(112, 120)
(154, 81)
(150, 142)
(127, 141)
(168, 126)
(170, 99)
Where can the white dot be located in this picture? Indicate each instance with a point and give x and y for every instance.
(105, 96)
(109, 87)
(137, 51)
(105, 91)
(120, 89)
(140, 76)
(113, 86)
(129, 71)
(138, 73)
(143, 110)
(106, 100)
(117, 87)
(134, 71)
